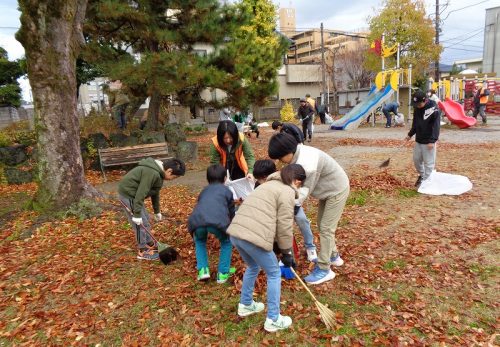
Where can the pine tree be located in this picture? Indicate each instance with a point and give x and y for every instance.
(246, 49)
(162, 33)
(10, 71)
(253, 56)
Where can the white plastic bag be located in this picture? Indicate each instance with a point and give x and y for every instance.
(241, 188)
(328, 119)
(440, 183)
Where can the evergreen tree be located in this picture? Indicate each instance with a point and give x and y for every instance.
(251, 59)
(10, 71)
(162, 35)
(243, 55)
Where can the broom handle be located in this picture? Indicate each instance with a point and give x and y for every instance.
(141, 225)
(303, 284)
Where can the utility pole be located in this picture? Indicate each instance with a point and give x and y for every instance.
(436, 63)
(323, 67)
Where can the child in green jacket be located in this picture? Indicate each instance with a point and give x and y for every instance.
(146, 180)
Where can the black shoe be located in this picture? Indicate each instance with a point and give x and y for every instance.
(387, 126)
(419, 180)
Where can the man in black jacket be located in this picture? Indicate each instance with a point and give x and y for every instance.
(305, 114)
(425, 126)
(290, 129)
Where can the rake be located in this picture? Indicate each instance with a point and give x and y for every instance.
(167, 253)
(327, 315)
(385, 163)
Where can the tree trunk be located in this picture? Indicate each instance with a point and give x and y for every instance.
(51, 33)
(154, 111)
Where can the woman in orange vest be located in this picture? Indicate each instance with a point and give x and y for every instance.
(232, 150)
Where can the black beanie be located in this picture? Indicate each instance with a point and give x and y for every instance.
(280, 145)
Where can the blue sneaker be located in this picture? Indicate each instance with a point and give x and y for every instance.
(318, 276)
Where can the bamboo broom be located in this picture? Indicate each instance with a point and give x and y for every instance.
(327, 315)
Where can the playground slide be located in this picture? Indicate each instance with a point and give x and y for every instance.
(352, 119)
(456, 114)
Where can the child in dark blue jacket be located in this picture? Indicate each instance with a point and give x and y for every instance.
(213, 214)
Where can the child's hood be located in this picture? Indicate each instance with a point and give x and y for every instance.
(277, 177)
(152, 164)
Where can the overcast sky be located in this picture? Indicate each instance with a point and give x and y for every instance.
(462, 30)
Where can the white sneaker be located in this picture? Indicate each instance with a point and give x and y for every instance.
(247, 310)
(311, 254)
(283, 322)
(337, 261)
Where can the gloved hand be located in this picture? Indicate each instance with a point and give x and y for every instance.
(137, 220)
(296, 209)
(158, 217)
(287, 259)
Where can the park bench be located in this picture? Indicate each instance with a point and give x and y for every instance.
(131, 155)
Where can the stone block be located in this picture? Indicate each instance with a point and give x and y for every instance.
(187, 151)
(13, 155)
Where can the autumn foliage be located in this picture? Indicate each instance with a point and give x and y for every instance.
(419, 270)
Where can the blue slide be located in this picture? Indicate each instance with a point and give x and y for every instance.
(352, 119)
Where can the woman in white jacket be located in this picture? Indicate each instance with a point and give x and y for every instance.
(326, 181)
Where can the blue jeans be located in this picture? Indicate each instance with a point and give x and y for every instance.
(305, 228)
(120, 116)
(200, 243)
(257, 258)
(142, 237)
(386, 110)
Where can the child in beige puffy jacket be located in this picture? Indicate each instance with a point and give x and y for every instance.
(266, 215)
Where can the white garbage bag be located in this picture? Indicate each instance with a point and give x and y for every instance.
(241, 188)
(440, 183)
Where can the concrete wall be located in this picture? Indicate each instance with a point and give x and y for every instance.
(491, 50)
(8, 115)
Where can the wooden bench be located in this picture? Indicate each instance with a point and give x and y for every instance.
(131, 155)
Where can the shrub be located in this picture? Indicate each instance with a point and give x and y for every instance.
(97, 123)
(5, 139)
(287, 114)
(25, 137)
(17, 133)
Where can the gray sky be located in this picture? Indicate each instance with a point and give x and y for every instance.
(462, 33)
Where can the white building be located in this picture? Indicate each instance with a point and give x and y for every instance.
(491, 50)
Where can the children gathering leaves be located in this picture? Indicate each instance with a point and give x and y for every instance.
(260, 227)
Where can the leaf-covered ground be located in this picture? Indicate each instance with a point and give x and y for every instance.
(419, 270)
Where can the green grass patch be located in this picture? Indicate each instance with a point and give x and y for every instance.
(393, 264)
(484, 272)
(357, 198)
(407, 193)
(418, 333)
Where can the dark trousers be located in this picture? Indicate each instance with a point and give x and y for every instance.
(307, 128)
(322, 117)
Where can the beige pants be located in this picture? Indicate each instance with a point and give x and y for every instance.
(329, 213)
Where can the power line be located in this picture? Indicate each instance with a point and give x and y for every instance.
(463, 8)
(456, 43)
(463, 49)
(462, 35)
